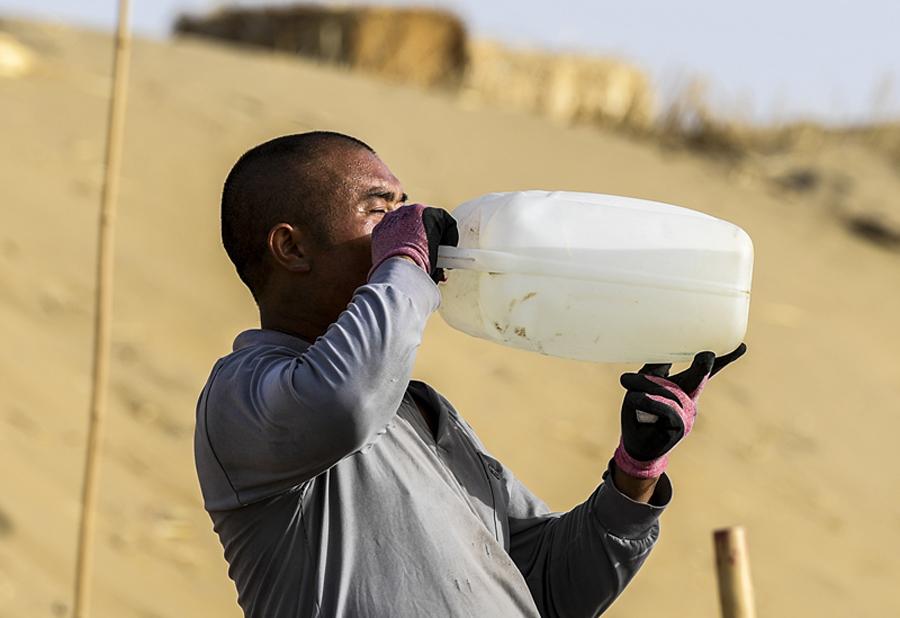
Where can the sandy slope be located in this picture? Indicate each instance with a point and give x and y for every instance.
(795, 442)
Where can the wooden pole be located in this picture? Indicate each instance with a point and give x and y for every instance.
(733, 573)
(102, 312)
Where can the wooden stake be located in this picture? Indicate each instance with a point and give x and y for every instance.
(733, 573)
(102, 312)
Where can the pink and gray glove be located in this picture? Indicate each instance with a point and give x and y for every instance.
(415, 231)
(659, 411)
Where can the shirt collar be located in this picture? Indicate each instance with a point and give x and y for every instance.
(265, 336)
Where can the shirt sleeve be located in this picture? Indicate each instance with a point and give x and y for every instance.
(577, 563)
(273, 418)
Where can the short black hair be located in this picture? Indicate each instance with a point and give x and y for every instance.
(280, 180)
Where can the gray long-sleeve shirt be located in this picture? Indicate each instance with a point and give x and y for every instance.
(332, 497)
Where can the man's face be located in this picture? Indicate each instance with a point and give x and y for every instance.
(365, 190)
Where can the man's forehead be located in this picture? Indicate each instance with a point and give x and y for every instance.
(370, 172)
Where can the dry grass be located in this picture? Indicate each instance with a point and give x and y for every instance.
(431, 48)
(689, 121)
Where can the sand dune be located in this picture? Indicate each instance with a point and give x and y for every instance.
(796, 442)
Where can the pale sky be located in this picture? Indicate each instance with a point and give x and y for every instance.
(837, 60)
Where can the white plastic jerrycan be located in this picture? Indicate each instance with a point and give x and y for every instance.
(597, 277)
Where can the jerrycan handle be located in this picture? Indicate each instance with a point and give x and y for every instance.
(466, 259)
(500, 262)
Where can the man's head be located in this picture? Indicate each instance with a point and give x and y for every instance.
(297, 217)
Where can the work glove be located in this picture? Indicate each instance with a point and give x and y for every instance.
(415, 231)
(659, 411)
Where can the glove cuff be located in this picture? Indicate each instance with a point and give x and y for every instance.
(639, 469)
(410, 250)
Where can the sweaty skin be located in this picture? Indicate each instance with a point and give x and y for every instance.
(312, 282)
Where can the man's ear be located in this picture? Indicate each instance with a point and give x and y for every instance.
(289, 247)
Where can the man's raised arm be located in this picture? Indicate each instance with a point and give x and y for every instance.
(275, 416)
(577, 563)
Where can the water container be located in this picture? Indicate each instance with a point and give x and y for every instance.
(597, 277)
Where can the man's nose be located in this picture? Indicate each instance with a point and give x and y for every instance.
(395, 206)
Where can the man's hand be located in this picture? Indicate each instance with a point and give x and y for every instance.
(659, 411)
(414, 231)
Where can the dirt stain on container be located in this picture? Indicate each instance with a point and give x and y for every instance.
(516, 301)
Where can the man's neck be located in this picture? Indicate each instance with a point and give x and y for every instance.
(296, 326)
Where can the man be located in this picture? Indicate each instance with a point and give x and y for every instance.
(337, 486)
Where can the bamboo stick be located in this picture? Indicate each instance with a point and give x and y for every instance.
(102, 312)
(733, 573)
